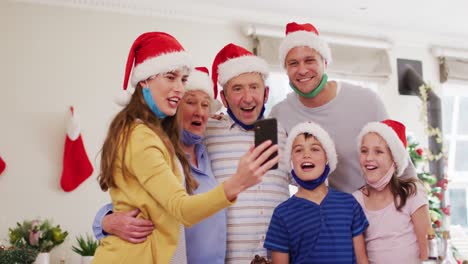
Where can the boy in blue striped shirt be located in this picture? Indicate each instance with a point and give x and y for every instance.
(317, 224)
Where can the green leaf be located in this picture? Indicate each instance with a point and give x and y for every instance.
(86, 246)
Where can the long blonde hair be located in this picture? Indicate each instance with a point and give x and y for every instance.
(119, 133)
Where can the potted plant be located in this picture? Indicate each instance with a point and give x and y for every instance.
(86, 248)
(41, 236)
(17, 255)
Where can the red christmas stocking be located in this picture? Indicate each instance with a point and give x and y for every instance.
(2, 165)
(76, 165)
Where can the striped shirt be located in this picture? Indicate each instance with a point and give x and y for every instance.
(249, 217)
(312, 233)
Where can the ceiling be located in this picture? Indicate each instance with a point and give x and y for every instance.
(436, 18)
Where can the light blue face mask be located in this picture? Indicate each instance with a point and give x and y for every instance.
(189, 138)
(152, 105)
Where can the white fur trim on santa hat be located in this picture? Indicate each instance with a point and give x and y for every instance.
(399, 153)
(237, 66)
(320, 134)
(160, 64)
(301, 39)
(74, 129)
(200, 81)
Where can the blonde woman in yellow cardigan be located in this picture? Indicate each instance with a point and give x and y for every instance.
(140, 167)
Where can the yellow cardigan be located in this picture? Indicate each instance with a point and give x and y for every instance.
(153, 184)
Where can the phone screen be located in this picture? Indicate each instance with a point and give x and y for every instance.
(267, 129)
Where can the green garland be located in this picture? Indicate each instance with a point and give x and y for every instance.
(430, 131)
(433, 188)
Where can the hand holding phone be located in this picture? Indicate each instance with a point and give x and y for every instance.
(267, 129)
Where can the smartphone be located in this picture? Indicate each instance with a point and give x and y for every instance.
(267, 129)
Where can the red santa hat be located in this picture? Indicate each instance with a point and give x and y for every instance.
(199, 80)
(300, 35)
(150, 54)
(76, 165)
(394, 133)
(320, 134)
(232, 61)
(2, 165)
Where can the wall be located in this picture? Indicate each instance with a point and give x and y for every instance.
(53, 57)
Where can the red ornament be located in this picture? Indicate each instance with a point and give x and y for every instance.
(439, 195)
(446, 210)
(419, 151)
(443, 184)
(437, 223)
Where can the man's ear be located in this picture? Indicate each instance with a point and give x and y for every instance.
(223, 98)
(267, 93)
(325, 63)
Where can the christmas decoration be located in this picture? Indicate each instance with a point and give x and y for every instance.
(76, 165)
(438, 212)
(432, 186)
(430, 131)
(2, 165)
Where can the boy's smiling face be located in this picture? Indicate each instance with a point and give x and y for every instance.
(308, 157)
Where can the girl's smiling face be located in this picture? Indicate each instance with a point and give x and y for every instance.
(375, 157)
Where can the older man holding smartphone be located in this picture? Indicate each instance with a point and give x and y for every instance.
(242, 76)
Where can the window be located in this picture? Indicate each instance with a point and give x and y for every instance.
(455, 130)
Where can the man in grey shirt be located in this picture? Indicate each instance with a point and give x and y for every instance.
(340, 108)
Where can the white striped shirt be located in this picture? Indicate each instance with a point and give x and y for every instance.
(249, 217)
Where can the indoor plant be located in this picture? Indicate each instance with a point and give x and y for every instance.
(86, 248)
(41, 236)
(17, 255)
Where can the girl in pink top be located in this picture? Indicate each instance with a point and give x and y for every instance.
(396, 208)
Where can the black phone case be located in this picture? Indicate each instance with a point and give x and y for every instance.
(267, 129)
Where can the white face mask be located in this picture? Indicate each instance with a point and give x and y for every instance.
(380, 184)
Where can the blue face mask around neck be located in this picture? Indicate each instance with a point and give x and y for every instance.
(244, 126)
(152, 105)
(189, 138)
(312, 184)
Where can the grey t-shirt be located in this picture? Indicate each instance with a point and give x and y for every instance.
(343, 118)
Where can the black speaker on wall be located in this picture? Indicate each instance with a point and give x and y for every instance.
(409, 76)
